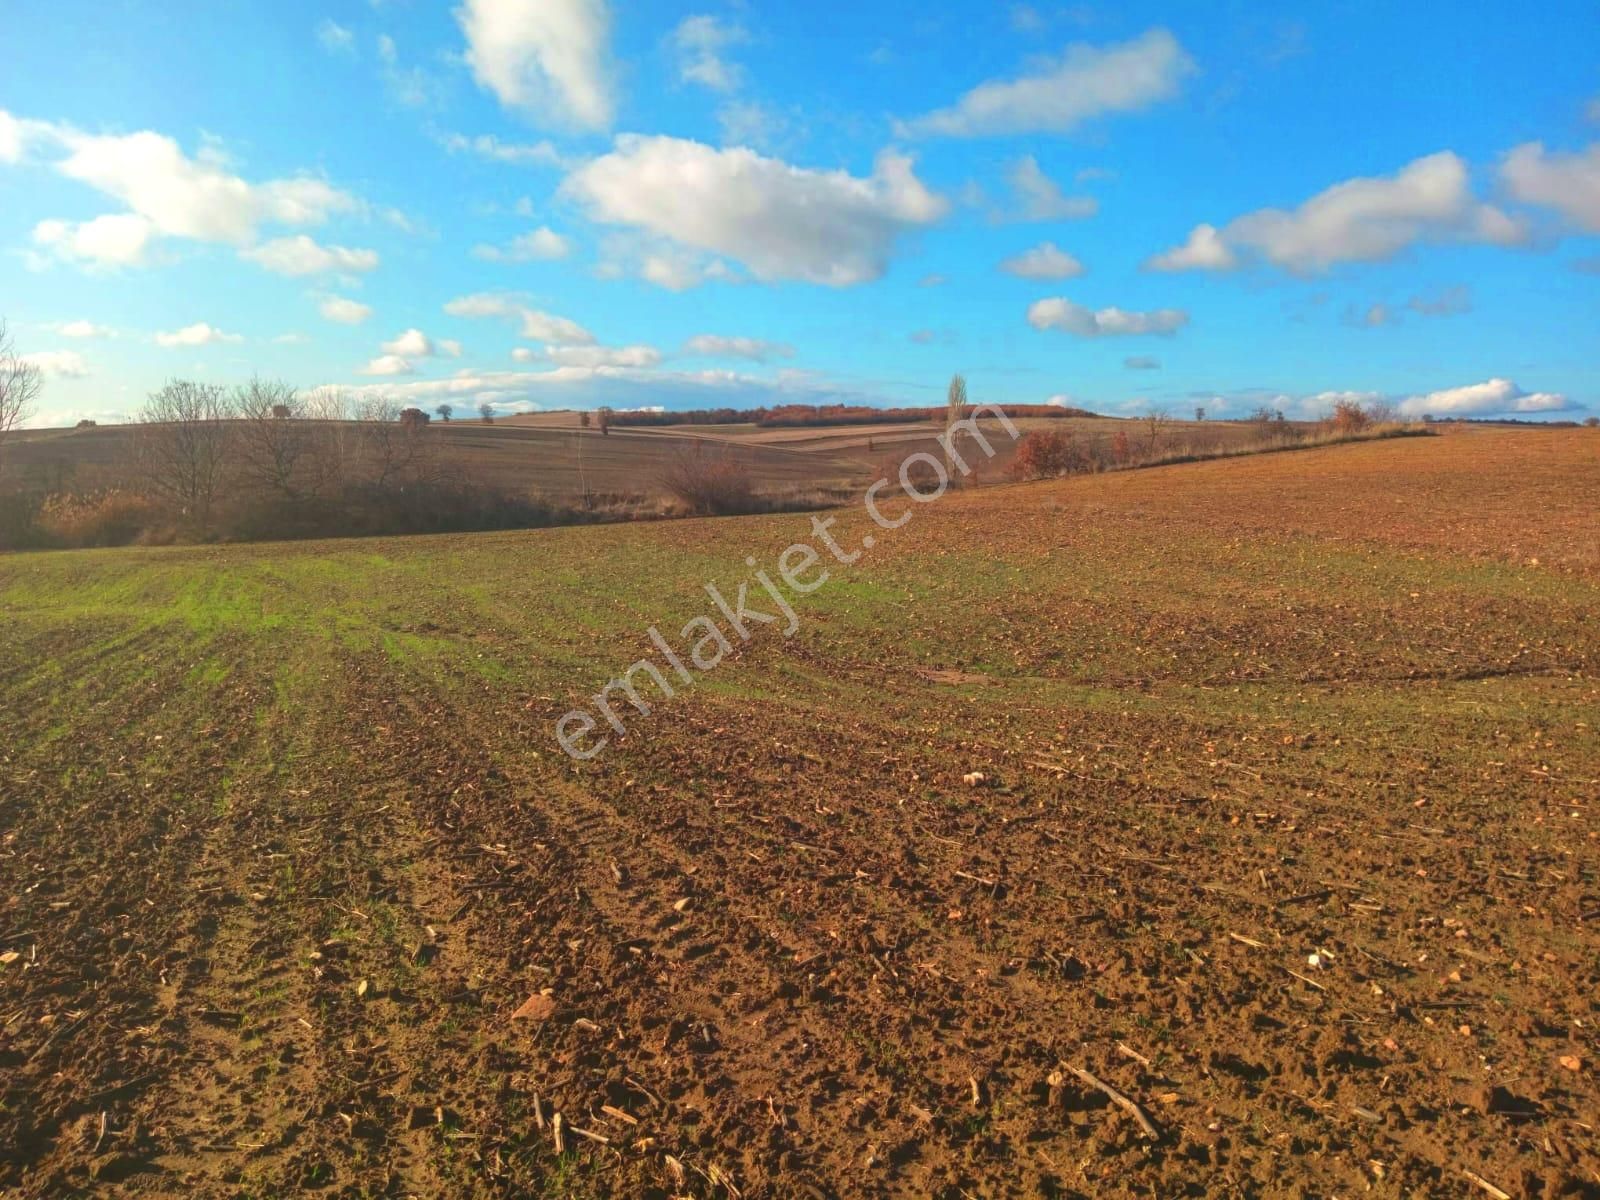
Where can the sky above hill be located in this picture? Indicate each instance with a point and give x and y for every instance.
(567, 203)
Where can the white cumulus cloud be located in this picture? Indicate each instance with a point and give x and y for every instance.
(11, 138)
(604, 356)
(711, 345)
(114, 240)
(61, 364)
(389, 364)
(544, 58)
(167, 193)
(302, 255)
(1492, 397)
(1044, 261)
(1083, 83)
(1568, 183)
(198, 334)
(343, 310)
(540, 245)
(678, 272)
(553, 330)
(84, 329)
(780, 221)
(699, 42)
(487, 146)
(413, 343)
(1359, 220)
(1042, 199)
(194, 198)
(1067, 317)
(1204, 251)
(533, 324)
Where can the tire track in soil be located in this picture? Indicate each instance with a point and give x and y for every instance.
(847, 989)
(976, 1019)
(122, 850)
(693, 1002)
(698, 985)
(1244, 1018)
(305, 1090)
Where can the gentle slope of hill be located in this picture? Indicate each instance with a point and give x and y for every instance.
(1260, 790)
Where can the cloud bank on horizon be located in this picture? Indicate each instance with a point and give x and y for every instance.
(563, 203)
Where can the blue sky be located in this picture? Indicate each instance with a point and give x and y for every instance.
(563, 203)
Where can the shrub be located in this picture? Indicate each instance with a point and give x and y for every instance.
(1264, 418)
(109, 518)
(1592, 422)
(1382, 412)
(1121, 450)
(709, 484)
(19, 529)
(922, 475)
(372, 509)
(1349, 417)
(1043, 453)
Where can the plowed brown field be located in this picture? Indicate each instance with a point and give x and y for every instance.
(1262, 792)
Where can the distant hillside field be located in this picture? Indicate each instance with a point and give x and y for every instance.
(1228, 826)
(549, 454)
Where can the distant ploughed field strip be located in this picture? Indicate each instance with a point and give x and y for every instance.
(549, 455)
(1224, 828)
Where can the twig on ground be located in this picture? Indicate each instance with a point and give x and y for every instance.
(1486, 1185)
(1128, 1051)
(1132, 1108)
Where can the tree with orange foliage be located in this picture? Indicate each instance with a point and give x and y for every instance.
(1044, 454)
(1349, 417)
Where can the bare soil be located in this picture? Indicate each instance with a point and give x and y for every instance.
(1260, 792)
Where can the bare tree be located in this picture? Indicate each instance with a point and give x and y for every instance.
(602, 419)
(1156, 421)
(486, 411)
(384, 442)
(583, 420)
(1199, 412)
(583, 480)
(19, 388)
(445, 412)
(184, 446)
(334, 446)
(955, 408)
(396, 445)
(273, 436)
(1382, 412)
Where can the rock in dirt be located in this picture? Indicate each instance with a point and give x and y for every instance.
(538, 1007)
